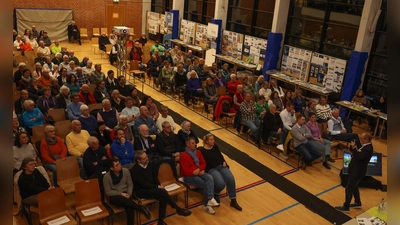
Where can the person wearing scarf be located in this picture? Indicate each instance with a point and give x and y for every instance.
(184, 134)
(192, 170)
(25, 79)
(52, 148)
(119, 187)
(100, 92)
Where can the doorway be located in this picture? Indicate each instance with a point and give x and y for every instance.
(115, 15)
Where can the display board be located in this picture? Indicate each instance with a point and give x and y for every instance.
(327, 71)
(296, 62)
(162, 24)
(201, 35)
(232, 44)
(153, 22)
(168, 22)
(254, 48)
(211, 46)
(187, 31)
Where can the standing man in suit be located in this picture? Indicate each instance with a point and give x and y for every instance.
(357, 170)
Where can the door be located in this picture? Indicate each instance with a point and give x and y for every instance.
(115, 15)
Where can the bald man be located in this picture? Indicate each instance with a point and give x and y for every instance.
(76, 141)
(145, 118)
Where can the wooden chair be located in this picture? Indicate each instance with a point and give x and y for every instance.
(52, 206)
(108, 50)
(116, 209)
(87, 196)
(68, 173)
(84, 34)
(166, 177)
(131, 31)
(96, 32)
(227, 115)
(95, 106)
(95, 44)
(134, 70)
(38, 133)
(57, 114)
(221, 91)
(17, 195)
(92, 87)
(297, 153)
(143, 202)
(104, 29)
(62, 128)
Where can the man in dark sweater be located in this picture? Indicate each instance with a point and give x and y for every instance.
(95, 160)
(272, 124)
(167, 142)
(145, 180)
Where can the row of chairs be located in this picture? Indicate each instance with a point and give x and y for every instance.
(97, 31)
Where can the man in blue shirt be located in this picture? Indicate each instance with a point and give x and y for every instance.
(74, 108)
(144, 118)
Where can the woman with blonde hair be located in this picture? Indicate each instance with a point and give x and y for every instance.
(218, 168)
(259, 84)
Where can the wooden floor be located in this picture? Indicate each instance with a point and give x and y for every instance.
(262, 203)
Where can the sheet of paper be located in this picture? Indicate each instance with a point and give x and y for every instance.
(59, 221)
(172, 187)
(91, 211)
(363, 221)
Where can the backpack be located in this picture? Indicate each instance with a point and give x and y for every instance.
(226, 107)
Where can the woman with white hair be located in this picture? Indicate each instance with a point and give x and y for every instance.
(48, 64)
(128, 129)
(65, 97)
(32, 116)
(184, 134)
(232, 85)
(38, 71)
(55, 72)
(57, 59)
(116, 101)
(88, 121)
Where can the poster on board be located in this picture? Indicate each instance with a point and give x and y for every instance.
(162, 24)
(327, 71)
(201, 35)
(153, 22)
(296, 62)
(187, 31)
(254, 47)
(168, 22)
(232, 44)
(211, 47)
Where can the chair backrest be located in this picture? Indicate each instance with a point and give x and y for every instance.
(96, 31)
(16, 52)
(95, 106)
(92, 87)
(67, 168)
(131, 31)
(87, 192)
(16, 95)
(108, 48)
(104, 29)
(57, 114)
(30, 55)
(145, 57)
(38, 132)
(51, 202)
(221, 91)
(165, 175)
(128, 51)
(83, 31)
(95, 40)
(134, 65)
(62, 128)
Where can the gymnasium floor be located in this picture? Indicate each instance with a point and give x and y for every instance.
(269, 190)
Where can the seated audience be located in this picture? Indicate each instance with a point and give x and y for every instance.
(31, 182)
(152, 108)
(116, 101)
(194, 88)
(97, 75)
(146, 143)
(123, 149)
(275, 99)
(45, 39)
(288, 97)
(218, 168)
(38, 71)
(135, 97)
(48, 64)
(124, 89)
(52, 148)
(64, 98)
(127, 128)
(180, 79)
(16, 127)
(210, 95)
(213, 70)
(73, 58)
(72, 68)
(249, 116)
(88, 70)
(17, 41)
(25, 45)
(310, 109)
(232, 84)
(145, 118)
(167, 57)
(323, 110)
(299, 102)
(192, 170)
(165, 117)
(262, 107)
(380, 105)
(301, 135)
(85, 96)
(190, 56)
(318, 142)
(103, 135)
(55, 72)
(338, 131)
(95, 160)
(34, 90)
(81, 78)
(238, 97)
(155, 67)
(273, 127)
(65, 62)
(111, 81)
(76, 141)
(178, 58)
(246, 85)
(146, 183)
(19, 103)
(62, 79)
(118, 187)
(33, 41)
(167, 76)
(225, 72)
(43, 49)
(22, 148)
(184, 133)
(32, 116)
(108, 114)
(56, 48)
(57, 60)
(45, 79)
(219, 81)
(101, 92)
(288, 118)
(88, 121)
(130, 111)
(167, 143)
(274, 87)
(19, 73)
(84, 61)
(103, 41)
(259, 84)
(204, 73)
(74, 108)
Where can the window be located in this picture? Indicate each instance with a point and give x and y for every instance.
(251, 17)
(161, 6)
(325, 26)
(375, 81)
(199, 11)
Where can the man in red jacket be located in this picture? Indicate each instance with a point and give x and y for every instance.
(86, 96)
(192, 170)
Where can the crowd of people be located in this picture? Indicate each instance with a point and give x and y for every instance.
(131, 136)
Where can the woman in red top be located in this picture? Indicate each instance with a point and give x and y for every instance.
(238, 97)
(130, 42)
(51, 149)
(232, 85)
(135, 54)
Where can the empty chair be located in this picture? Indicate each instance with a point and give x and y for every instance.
(108, 50)
(83, 33)
(87, 196)
(57, 114)
(131, 31)
(166, 177)
(104, 29)
(62, 128)
(95, 44)
(68, 173)
(38, 133)
(96, 32)
(52, 206)
(134, 70)
(95, 106)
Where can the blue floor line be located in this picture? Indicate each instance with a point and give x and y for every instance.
(291, 206)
